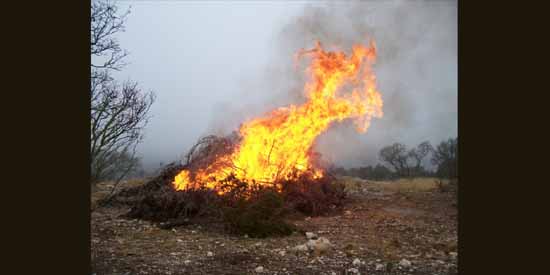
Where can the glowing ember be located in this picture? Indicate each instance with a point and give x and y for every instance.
(278, 146)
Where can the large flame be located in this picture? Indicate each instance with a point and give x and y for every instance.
(278, 146)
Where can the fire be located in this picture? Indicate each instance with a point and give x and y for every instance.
(278, 145)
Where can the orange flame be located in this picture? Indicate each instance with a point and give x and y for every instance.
(277, 146)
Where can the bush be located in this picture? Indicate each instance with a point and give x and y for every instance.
(258, 216)
(313, 197)
(176, 208)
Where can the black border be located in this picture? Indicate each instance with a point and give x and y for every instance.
(46, 221)
(46, 198)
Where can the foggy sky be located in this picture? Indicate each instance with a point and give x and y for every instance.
(213, 65)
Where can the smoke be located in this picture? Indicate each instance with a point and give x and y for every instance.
(416, 71)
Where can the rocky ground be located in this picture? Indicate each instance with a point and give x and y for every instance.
(403, 227)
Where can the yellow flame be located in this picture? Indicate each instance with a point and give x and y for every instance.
(277, 146)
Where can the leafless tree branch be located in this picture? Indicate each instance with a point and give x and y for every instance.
(119, 113)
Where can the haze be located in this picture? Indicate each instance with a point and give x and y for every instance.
(213, 65)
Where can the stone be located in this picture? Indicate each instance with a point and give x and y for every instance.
(356, 261)
(301, 247)
(379, 267)
(209, 254)
(405, 263)
(319, 246)
(311, 244)
(353, 270)
(322, 245)
(259, 269)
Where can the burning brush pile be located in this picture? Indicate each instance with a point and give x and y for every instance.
(250, 180)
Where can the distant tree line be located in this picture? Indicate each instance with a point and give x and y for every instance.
(396, 161)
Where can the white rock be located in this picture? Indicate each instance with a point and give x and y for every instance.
(259, 269)
(353, 270)
(379, 267)
(282, 253)
(321, 245)
(453, 255)
(356, 262)
(310, 235)
(311, 244)
(209, 254)
(186, 262)
(301, 247)
(405, 263)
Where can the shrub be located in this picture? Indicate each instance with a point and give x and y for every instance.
(260, 215)
(313, 197)
(175, 208)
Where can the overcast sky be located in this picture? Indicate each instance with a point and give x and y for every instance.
(214, 64)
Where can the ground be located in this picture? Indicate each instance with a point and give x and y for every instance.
(400, 227)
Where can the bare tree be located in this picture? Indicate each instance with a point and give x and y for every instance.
(396, 156)
(446, 158)
(419, 153)
(106, 22)
(119, 113)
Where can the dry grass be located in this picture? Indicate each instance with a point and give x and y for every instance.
(103, 189)
(352, 184)
(400, 185)
(410, 185)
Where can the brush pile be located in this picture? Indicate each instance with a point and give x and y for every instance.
(243, 208)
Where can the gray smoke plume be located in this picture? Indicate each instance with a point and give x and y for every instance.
(416, 70)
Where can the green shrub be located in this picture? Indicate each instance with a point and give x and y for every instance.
(258, 216)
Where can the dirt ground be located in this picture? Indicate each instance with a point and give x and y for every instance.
(401, 227)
